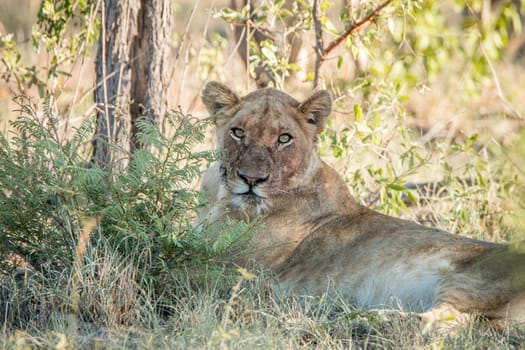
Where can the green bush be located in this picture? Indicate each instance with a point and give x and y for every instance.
(51, 193)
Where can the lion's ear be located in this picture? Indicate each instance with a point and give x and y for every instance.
(217, 96)
(317, 108)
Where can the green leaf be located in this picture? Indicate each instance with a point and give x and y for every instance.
(470, 141)
(376, 122)
(339, 62)
(411, 197)
(396, 187)
(358, 113)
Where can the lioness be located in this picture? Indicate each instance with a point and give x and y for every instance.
(315, 234)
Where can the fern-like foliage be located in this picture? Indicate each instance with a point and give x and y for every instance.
(41, 201)
(49, 190)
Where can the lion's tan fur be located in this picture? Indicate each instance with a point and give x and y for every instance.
(315, 235)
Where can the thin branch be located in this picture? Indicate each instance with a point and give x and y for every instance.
(83, 50)
(182, 43)
(321, 51)
(356, 27)
(319, 45)
(104, 73)
(184, 37)
(500, 93)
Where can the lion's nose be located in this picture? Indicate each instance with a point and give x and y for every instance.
(253, 180)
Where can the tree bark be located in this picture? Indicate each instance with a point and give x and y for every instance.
(132, 75)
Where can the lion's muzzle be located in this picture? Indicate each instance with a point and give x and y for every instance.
(253, 180)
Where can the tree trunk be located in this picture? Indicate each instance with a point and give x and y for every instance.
(132, 75)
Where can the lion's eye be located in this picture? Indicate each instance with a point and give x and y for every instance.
(284, 138)
(237, 133)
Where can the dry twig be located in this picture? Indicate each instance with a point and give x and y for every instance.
(323, 52)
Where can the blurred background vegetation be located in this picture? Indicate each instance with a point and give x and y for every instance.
(427, 124)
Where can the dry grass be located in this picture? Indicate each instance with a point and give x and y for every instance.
(204, 318)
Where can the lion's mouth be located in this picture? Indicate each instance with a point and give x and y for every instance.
(250, 193)
(250, 200)
(243, 190)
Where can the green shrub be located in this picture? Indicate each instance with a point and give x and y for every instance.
(54, 204)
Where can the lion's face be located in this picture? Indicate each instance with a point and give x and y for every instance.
(267, 140)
